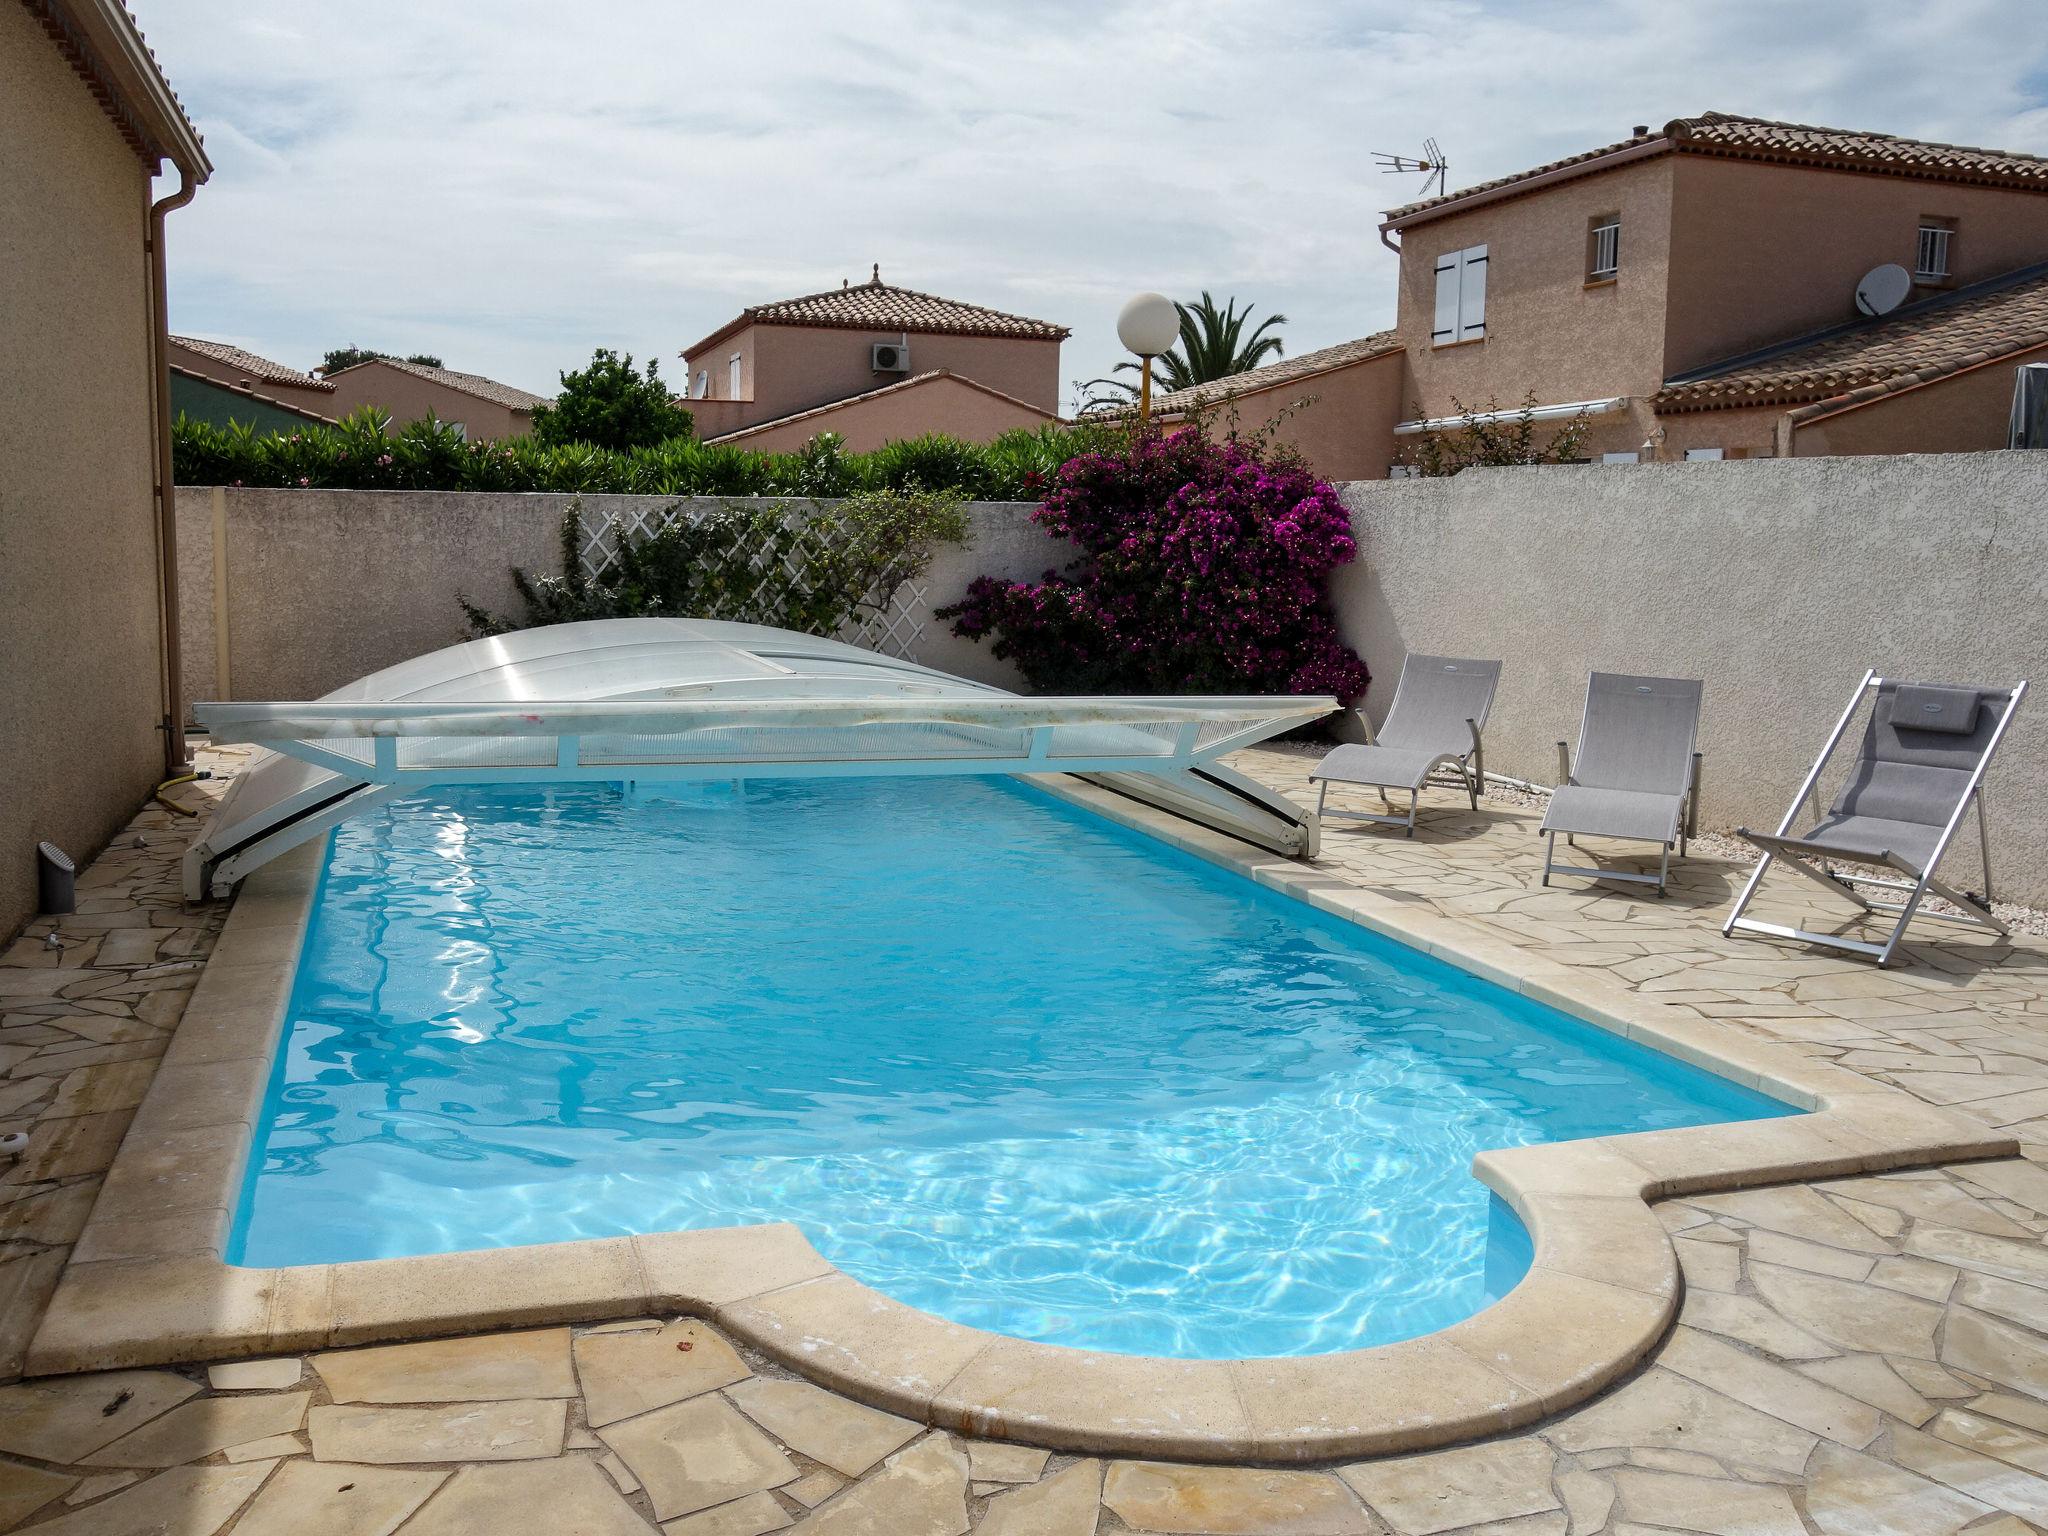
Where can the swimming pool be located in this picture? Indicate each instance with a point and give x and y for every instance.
(996, 1057)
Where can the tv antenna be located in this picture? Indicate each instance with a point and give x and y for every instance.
(1430, 163)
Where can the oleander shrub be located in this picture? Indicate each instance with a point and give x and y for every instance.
(1205, 568)
(813, 566)
(428, 455)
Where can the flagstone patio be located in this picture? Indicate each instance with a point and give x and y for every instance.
(1860, 1355)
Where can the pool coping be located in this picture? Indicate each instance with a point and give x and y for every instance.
(147, 1283)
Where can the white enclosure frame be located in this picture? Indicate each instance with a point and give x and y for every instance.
(644, 700)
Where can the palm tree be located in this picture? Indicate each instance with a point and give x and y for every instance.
(1213, 345)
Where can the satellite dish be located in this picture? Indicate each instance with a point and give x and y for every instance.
(1883, 289)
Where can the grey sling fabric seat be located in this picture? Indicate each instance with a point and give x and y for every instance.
(1439, 709)
(1637, 775)
(1919, 767)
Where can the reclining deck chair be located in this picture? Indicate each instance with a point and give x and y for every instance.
(1920, 765)
(1439, 709)
(1638, 776)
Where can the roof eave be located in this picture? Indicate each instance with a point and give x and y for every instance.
(933, 376)
(1460, 202)
(107, 29)
(731, 328)
(254, 394)
(1200, 398)
(814, 323)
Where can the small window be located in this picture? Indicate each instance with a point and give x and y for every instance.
(1704, 453)
(703, 383)
(1936, 236)
(461, 432)
(1603, 248)
(1621, 458)
(1460, 297)
(735, 375)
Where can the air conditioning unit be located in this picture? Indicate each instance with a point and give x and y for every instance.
(890, 357)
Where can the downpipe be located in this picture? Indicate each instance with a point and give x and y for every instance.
(173, 724)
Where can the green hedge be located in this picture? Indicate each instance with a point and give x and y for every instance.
(428, 455)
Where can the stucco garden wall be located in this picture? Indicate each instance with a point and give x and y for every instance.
(324, 586)
(1777, 581)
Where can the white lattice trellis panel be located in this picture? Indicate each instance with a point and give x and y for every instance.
(894, 631)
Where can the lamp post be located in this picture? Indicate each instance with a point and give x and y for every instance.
(1148, 325)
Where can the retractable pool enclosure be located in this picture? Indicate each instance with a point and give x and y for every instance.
(644, 700)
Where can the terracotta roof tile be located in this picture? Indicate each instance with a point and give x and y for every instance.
(1759, 138)
(1253, 379)
(508, 395)
(250, 365)
(253, 394)
(879, 306)
(1914, 345)
(915, 381)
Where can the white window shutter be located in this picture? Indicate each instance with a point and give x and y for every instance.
(1471, 295)
(1445, 330)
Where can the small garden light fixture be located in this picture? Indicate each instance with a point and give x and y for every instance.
(1148, 325)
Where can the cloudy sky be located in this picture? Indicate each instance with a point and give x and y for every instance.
(512, 184)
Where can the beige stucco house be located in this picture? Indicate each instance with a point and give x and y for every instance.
(483, 408)
(872, 362)
(1693, 292)
(88, 591)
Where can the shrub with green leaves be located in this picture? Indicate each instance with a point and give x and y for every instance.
(428, 455)
(611, 404)
(811, 566)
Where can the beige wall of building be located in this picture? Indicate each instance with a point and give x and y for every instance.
(1762, 253)
(1964, 413)
(81, 689)
(790, 368)
(408, 397)
(1718, 257)
(1547, 328)
(1341, 421)
(319, 401)
(942, 404)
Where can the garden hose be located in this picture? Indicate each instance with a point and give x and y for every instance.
(184, 778)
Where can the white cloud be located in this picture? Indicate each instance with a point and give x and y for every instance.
(512, 185)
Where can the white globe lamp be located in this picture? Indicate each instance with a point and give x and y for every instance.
(1148, 325)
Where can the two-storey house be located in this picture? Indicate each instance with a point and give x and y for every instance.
(1723, 286)
(871, 362)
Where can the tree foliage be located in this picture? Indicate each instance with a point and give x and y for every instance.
(1213, 344)
(1473, 441)
(1205, 568)
(347, 357)
(611, 404)
(427, 455)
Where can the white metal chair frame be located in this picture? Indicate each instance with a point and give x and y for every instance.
(1976, 910)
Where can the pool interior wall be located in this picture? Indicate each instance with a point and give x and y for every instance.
(999, 1058)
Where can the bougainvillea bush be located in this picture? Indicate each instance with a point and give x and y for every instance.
(1205, 569)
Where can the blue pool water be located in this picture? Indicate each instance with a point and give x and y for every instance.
(997, 1057)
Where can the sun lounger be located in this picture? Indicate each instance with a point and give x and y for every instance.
(1637, 775)
(1918, 769)
(1438, 712)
